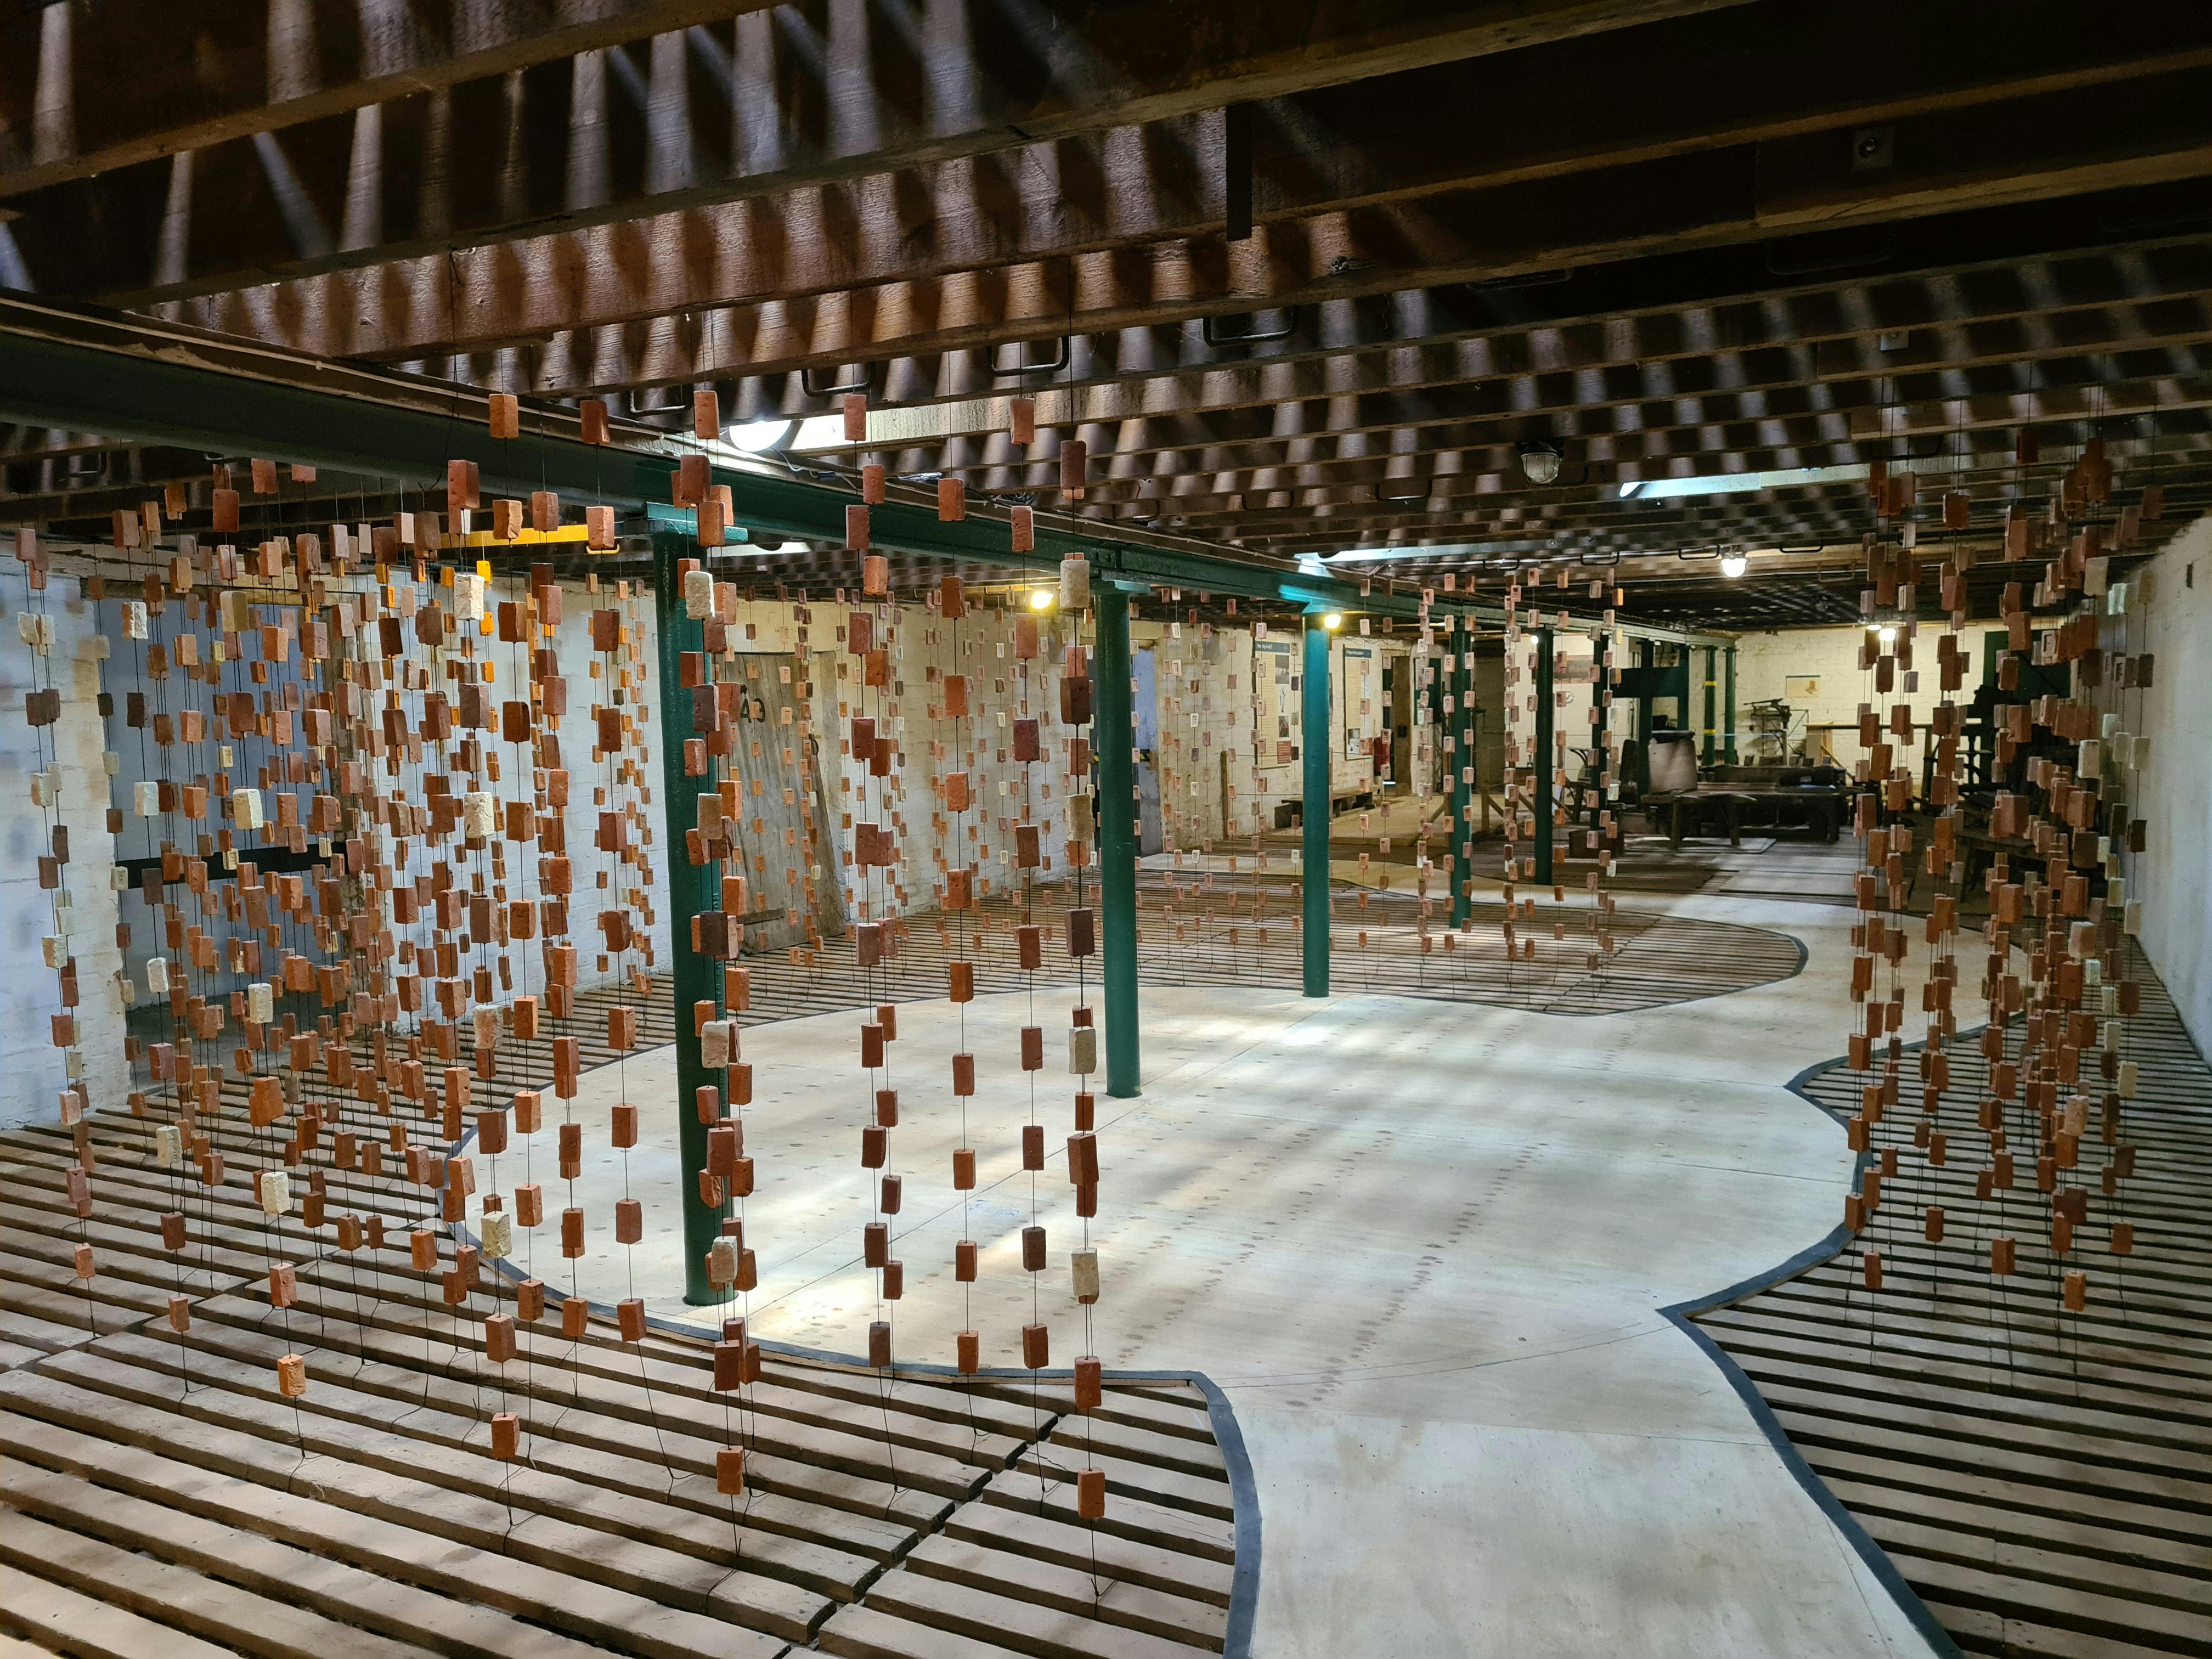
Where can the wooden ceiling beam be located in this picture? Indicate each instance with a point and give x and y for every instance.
(1622, 439)
(1367, 390)
(1694, 313)
(85, 91)
(1430, 463)
(627, 318)
(1838, 523)
(1243, 512)
(820, 91)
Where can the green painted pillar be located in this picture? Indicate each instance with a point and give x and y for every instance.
(1461, 680)
(1313, 812)
(1115, 734)
(1730, 712)
(1544, 711)
(691, 889)
(1591, 774)
(1644, 669)
(1709, 748)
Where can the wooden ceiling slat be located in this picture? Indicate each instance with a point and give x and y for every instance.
(790, 292)
(136, 81)
(822, 91)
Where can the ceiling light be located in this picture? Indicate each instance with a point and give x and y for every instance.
(1630, 488)
(758, 437)
(1734, 565)
(1334, 621)
(1041, 598)
(1735, 483)
(791, 550)
(1540, 462)
(1888, 636)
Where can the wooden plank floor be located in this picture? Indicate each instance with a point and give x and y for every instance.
(160, 1497)
(2041, 1479)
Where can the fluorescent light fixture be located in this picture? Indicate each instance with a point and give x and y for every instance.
(1634, 486)
(1736, 484)
(1734, 565)
(740, 550)
(1455, 550)
(758, 437)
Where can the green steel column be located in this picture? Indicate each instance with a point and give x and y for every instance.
(1115, 735)
(1644, 666)
(1460, 679)
(1709, 748)
(1730, 729)
(1591, 774)
(1314, 810)
(1544, 755)
(691, 889)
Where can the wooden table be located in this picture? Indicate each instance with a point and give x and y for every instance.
(1823, 808)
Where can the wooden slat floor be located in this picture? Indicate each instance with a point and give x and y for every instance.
(160, 1497)
(1191, 932)
(2041, 1479)
(160, 1493)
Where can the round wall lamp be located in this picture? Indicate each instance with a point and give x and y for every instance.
(1539, 462)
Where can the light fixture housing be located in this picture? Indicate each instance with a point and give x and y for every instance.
(1734, 565)
(759, 437)
(1539, 462)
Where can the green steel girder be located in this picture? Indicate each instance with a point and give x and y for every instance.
(149, 383)
(136, 380)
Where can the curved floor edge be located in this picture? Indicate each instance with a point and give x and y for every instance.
(1682, 1316)
(1244, 1493)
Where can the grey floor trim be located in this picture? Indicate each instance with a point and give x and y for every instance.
(1683, 1314)
(1243, 1494)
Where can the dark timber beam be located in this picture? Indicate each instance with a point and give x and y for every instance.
(823, 90)
(600, 322)
(1841, 293)
(87, 89)
(1500, 375)
(1400, 442)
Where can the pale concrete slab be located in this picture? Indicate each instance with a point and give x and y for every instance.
(1421, 1244)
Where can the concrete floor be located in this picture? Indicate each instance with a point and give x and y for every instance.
(1421, 1245)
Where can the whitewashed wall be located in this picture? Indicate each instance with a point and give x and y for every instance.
(1765, 664)
(2169, 614)
(34, 1068)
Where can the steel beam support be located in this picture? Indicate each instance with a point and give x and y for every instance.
(1592, 774)
(1708, 750)
(1116, 737)
(1730, 729)
(692, 890)
(1545, 760)
(1461, 840)
(1313, 812)
(144, 382)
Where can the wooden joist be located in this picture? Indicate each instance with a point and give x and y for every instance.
(161, 1494)
(2040, 1478)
